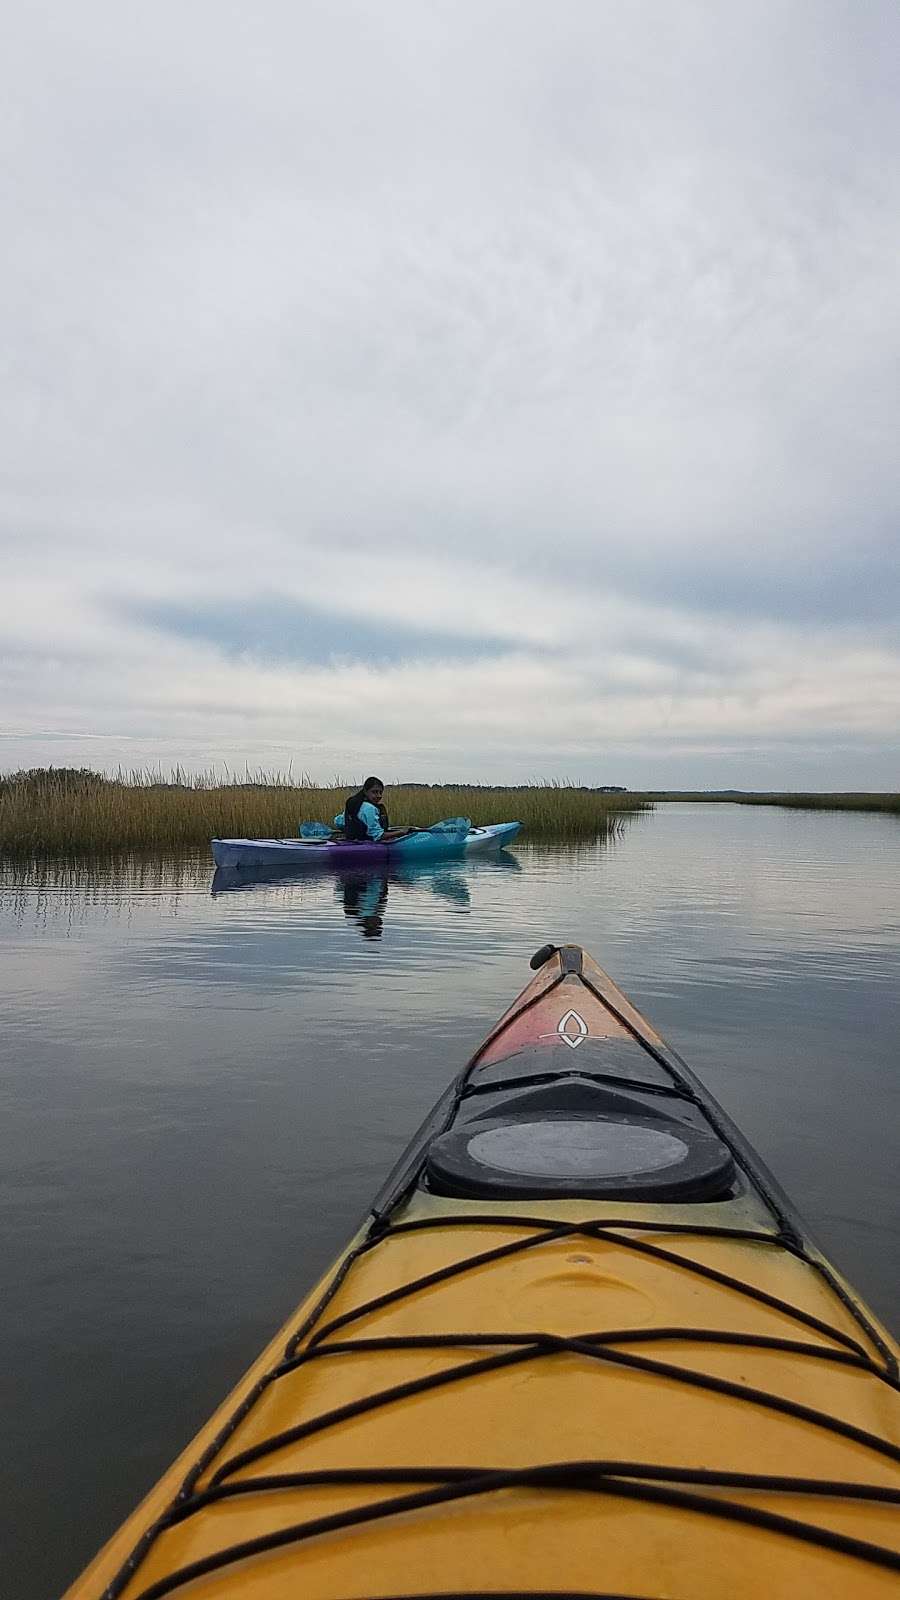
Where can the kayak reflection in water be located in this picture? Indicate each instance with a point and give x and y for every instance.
(365, 897)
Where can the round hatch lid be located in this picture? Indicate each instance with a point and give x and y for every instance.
(626, 1157)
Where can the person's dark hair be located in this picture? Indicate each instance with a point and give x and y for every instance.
(370, 783)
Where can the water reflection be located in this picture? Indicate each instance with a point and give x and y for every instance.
(363, 893)
(48, 891)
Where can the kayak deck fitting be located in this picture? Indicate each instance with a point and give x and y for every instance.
(581, 1345)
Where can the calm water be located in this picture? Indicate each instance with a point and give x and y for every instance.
(202, 1090)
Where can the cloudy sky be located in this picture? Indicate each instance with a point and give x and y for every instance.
(457, 388)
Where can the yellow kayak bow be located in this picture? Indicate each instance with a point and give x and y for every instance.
(581, 1346)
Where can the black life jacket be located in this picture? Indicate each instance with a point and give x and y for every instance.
(353, 828)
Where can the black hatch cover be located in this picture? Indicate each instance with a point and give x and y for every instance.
(552, 1154)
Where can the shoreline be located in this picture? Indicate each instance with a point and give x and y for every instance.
(799, 800)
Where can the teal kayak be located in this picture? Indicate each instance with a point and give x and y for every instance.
(423, 845)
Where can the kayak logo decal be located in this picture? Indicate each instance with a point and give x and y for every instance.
(572, 1029)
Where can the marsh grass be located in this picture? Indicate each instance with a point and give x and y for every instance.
(67, 812)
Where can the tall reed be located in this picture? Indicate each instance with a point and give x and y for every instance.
(64, 812)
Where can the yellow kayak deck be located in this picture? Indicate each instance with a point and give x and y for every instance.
(531, 1396)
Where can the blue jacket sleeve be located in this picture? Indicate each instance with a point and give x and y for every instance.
(369, 815)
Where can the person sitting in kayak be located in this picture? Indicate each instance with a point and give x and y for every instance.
(364, 815)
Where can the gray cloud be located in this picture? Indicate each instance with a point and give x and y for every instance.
(270, 629)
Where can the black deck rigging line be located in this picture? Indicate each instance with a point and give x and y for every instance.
(354, 1477)
(621, 1082)
(567, 1477)
(451, 1269)
(551, 1344)
(592, 1229)
(856, 1311)
(519, 1219)
(667, 1335)
(515, 1594)
(700, 1230)
(644, 1247)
